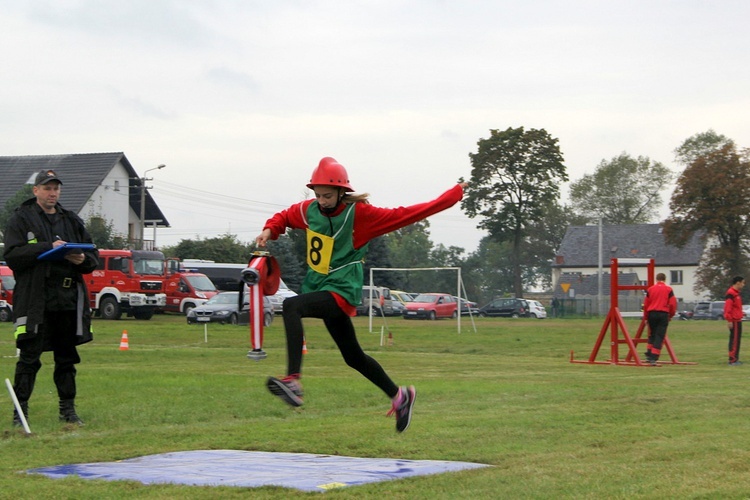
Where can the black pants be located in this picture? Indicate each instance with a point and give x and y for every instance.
(322, 305)
(658, 321)
(58, 334)
(735, 339)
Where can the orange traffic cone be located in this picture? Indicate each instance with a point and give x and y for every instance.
(304, 346)
(124, 341)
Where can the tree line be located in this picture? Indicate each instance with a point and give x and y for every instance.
(514, 194)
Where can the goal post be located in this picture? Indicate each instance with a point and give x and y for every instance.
(458, 285)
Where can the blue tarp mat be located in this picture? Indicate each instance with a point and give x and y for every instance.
(302, 471)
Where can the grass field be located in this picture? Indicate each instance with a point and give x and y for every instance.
(506, 395)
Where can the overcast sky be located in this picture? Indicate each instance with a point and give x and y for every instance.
(242, 98)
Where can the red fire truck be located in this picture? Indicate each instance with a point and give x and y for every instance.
(7, 283)
(127, 281)
(186, 289)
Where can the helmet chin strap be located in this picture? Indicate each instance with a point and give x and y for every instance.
(330, 210)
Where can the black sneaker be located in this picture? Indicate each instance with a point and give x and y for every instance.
(402, 406)
(288, 389)
(735, 363)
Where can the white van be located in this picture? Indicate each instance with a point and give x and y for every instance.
(380, 295)
(226, 276)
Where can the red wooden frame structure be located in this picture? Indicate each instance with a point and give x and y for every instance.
(615, 324)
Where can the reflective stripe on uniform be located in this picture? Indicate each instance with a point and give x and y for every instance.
(20, 327)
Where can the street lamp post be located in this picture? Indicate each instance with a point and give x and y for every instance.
(143, 201)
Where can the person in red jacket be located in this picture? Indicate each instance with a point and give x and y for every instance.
(339, 224)
(733, 314)
(659, 307)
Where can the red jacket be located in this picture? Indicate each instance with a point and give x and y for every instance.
(660, 297)
(369, 221)
(733, 305)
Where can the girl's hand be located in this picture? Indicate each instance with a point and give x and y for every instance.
(262, 238)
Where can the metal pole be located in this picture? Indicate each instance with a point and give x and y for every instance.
(143, 201)
(458, 294)
(17, 404)
(143, 210)
(369, 313)
(600, 297)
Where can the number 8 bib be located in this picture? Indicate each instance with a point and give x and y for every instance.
(319, 251)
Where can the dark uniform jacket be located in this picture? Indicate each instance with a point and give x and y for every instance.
(29, 234)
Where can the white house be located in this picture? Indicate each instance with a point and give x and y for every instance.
(94, 184)
(576, 264)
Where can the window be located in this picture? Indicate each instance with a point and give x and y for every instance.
(675, 277)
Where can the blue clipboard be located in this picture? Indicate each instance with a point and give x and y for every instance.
(60, 252)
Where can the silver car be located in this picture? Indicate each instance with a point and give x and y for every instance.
(224, 308)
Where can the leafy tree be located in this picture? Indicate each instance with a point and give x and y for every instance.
(495, 277)
(699, 145)
(713, 196)
(224, 248)
(624, 190)
(12, 203)
(378, 255)
(473, 272)
(515, 175)
(445, 280)
(103, 234)
(410, 247)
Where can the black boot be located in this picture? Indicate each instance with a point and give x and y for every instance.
(17, 418)
(68, 412)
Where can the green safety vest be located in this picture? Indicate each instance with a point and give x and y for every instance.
(333, 262)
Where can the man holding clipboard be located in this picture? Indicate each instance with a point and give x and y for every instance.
(49, 249)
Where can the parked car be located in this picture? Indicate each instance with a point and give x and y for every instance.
(467, 307)
(381, 299)
(709, 310)
(536, 309)
(746, 312)
(403, 297)
(398, 308)
(513, 308)
(684, 315)
(223, 308)
(432, 306)
(281, 295)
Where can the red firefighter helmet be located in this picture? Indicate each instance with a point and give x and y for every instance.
(329, 172)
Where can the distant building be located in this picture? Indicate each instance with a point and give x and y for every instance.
(101, 184)
(576, 267)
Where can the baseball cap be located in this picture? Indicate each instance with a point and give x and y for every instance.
(46, 176)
